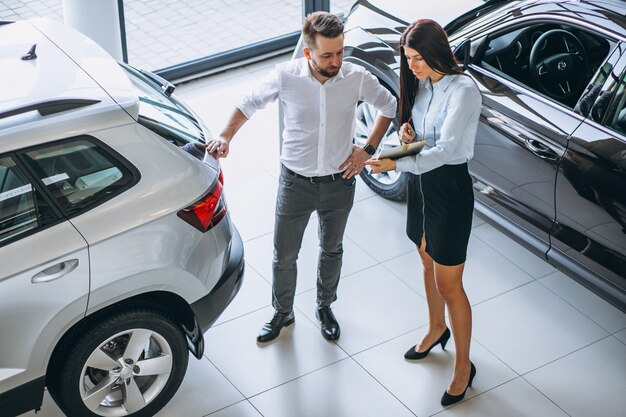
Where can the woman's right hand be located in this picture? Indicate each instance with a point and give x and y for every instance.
(381, 165)
(406, 133)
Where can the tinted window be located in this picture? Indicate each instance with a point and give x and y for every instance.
(616, 116)
(163, 114)
(557, 61)
(22, 208)
(79, 173)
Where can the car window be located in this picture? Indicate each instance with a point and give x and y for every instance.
(80, 173)
(594, 96)
(555, 60)
(23, 209)
(163, 114)
(616, 116)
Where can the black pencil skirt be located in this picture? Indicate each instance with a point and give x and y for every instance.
(440, 204)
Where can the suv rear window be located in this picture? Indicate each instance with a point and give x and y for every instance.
(165, 115)
(79, 173)
(23, 209)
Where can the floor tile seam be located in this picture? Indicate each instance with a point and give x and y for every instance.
(352, 274)
(257, 271)
(347, 236)
(228, 406)
(227, 379)
(524, 374)
(518, 374)
(403, 281)
(508, 258)
(240, 316)
(618, 339)
(295, 310)
(494, 354)
(503, 293)
(382, 385)
(386, 341)
(294, 379)
(478, 395)
(475, 339)
(286, 382)
(545, 395)
(575, 307)
(258, 237)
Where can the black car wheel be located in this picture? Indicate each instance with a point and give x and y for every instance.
(390, 185)
(129, 364)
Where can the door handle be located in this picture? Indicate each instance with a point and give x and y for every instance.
(55, 271)
(540, 149)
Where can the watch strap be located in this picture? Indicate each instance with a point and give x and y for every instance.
(369, 149)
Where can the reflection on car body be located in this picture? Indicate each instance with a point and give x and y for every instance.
(549, 166)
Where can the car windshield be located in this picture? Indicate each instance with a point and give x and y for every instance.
(433, 10)
(165, 115)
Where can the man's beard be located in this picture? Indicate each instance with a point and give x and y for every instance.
(323, 72)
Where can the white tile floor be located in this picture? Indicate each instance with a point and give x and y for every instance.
(543, 345)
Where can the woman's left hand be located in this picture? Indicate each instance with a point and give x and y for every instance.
(381, 165)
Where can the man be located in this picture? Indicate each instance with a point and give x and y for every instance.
(318, 160)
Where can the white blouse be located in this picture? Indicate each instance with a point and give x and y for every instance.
(446, 115)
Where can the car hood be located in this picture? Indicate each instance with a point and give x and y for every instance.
(413, 10)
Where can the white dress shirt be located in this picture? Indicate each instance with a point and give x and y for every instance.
(446, 115)
(319, 118)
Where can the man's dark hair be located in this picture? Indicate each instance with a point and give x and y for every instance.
(325, 24)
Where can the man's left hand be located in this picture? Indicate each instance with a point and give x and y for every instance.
(355, 162)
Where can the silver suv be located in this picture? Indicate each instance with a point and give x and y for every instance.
(116, 248)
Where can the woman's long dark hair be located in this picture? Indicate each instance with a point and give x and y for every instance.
(431, 41)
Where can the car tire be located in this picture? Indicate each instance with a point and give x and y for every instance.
(390, 185)
(128, 364)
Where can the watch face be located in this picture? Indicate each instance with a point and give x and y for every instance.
(369, 149)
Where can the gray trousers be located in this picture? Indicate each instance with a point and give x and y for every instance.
(297, 198)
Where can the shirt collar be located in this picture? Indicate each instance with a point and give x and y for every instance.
(305, 70)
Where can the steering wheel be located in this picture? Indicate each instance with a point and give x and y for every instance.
(559, 74)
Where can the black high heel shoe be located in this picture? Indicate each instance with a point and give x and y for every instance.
(413, 355)
(449, 399)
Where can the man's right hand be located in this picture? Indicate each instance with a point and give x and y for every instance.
(218, 147)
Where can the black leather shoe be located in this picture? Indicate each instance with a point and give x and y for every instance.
(271, 330)
(330, 327)
(449, 399)
(413, 355)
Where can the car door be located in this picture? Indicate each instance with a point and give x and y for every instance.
(44, 281)
(522, 135)
(589, 236)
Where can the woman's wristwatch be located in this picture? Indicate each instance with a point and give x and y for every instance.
(369, 149)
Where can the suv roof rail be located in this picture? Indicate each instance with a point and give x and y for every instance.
(48, 107)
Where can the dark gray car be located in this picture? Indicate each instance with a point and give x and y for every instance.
(550, 156)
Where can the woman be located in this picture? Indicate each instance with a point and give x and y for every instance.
(444, 106)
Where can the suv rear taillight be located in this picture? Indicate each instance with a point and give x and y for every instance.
(207, 212)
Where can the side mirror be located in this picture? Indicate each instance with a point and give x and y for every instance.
(462, 53)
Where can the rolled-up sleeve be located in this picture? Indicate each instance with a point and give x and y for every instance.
(458, 130)
(263, 94)
(378, 96)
